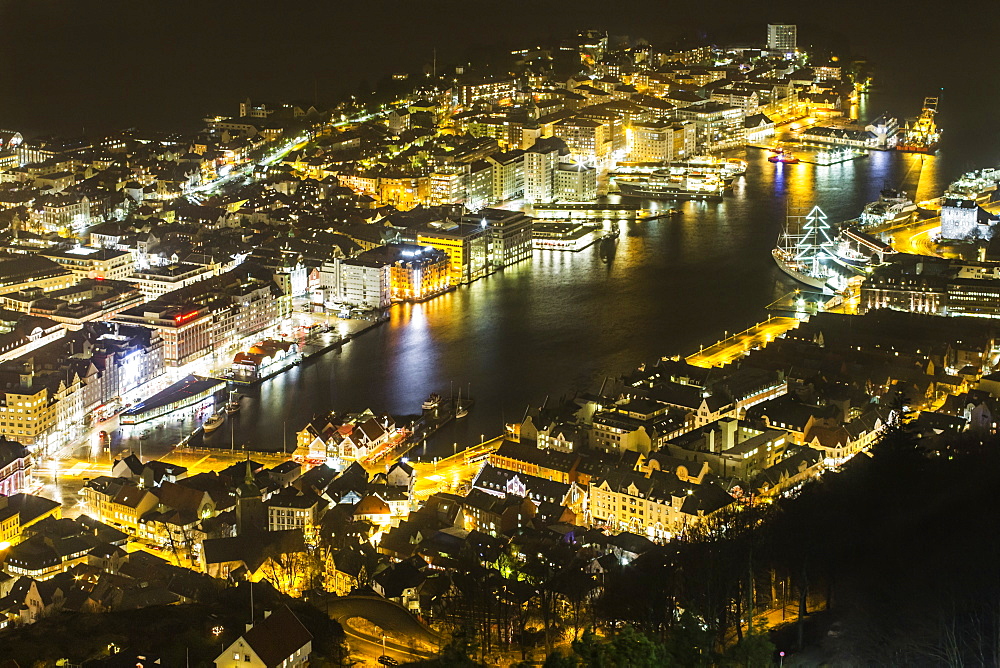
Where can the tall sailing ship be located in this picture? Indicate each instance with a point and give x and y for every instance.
(803, 251)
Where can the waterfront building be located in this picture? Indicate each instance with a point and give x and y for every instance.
(660, 141)
(365, 282)
(758, 128)
(965, 220)
(561, 236)
(540, 162)
(575, 182)
(213, 315)
(718, 126)
(465, 244)
(509, 235)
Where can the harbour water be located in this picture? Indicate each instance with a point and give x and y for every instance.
(563, 321)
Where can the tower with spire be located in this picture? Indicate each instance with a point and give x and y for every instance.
(250, 517)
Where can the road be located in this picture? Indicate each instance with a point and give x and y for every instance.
(451, 473)
(918, 237)
(397, 622)
(736, 346)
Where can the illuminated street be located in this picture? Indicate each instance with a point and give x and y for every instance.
(738, 345)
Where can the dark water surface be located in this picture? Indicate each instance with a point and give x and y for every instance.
(563, 321)
(560, 322)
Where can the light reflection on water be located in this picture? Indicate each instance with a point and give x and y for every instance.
(562, 321)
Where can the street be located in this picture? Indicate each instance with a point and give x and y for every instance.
(736, 346)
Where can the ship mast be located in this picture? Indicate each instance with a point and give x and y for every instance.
(811, 249)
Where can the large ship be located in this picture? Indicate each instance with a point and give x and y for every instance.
(728, 169)
(857, 250)
(662, 184)
(979, 185)
(922, 134)
(891, 206)
(803, 251)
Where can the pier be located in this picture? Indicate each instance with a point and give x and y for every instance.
(735, 346)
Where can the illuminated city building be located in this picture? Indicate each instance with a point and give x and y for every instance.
(585, 138)
(540, 163)
(781, 37)
(575, 182)
(466, 245)
(660, 141)
(509, 235)
(96, 263)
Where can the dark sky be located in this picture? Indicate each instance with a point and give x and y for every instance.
(102, 64)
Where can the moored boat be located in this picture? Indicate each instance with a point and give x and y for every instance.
(802, 252)
(432, 402)
(891, 206)
(214, 422)
(664, 185)
(783, 156)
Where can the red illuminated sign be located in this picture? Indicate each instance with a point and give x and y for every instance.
(184, 317)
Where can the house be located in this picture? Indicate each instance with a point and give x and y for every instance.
(270, 555)
(56, 545)
(278, 641)
(20, 511)
(350, 568)
(793, 470)
(399, 582)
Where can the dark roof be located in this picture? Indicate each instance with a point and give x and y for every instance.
(276, 638)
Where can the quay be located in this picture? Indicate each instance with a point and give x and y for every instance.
(596, 211)
(735, 346)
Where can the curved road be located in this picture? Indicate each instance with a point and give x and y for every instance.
(387, 615)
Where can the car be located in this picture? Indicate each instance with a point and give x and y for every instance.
(387, 661)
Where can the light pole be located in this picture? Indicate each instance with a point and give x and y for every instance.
(784, 602)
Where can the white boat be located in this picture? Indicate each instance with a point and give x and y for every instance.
(432, 402)
(662, 184)
(804, 251)
(891, 206)
(786, 262)
(233, 405)
(214, 422)
(979, 185)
